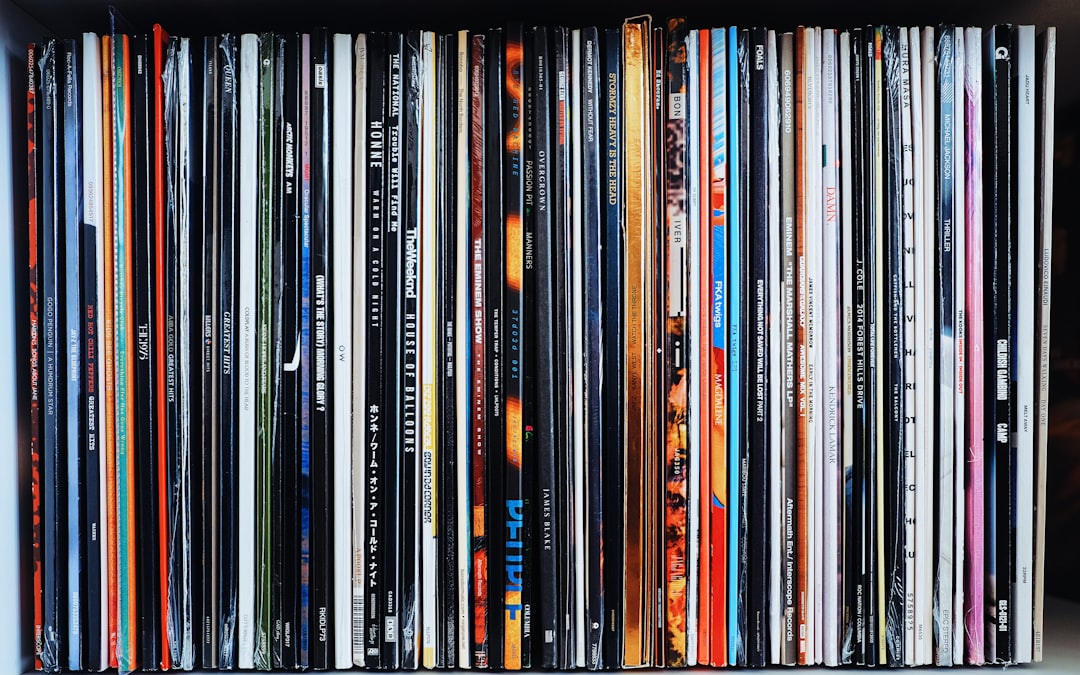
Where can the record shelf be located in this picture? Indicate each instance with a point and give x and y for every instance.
(22, 21)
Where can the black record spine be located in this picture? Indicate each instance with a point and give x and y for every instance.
(857, 548)
(448, 332)
(376, 415)
(493, 306)
(591, 256)
(611, 323)
(757, 351)
(561, 288)
(211, 355)
(144, 275)
(291, 326)
(393, 358)
(871, 469)
(408, 335)
(321, 643)
(228, 232)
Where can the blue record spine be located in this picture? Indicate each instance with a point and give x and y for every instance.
(734, 353)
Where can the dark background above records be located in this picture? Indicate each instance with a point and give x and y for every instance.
(199, 17)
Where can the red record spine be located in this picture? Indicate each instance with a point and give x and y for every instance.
(34, 344)
(479, 393)
(703, 349)
(160, 42)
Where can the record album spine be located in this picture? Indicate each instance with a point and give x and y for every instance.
(701, 348)
(494, 321)
(71, 292)
(291, 223)
(227, 409)
(539, 304)
(359, 410)
(590, 256)
(999, 227)
(1024, 347)
(860, 332)
(321, 335)
(51, 638)
(757, 371)
(429, 421)
(611, 317)
(34, 342)
(150, 428)
(340, 81)
(1046, 80)
(718, 340)
(306, 416)
(96, 598)
(946, 351)
(893, 249)
(127, 638)
(790, 412)
(568, 621)
(267, 356)
(408, 335)
(247, 276)
(737, 447)
(515, 347)
(376, 414)
(109, 320)
(211, 340)
(676, 445)
(974, 481)
(478, 452)
(463, 354)
(637, 294)
(446, 365)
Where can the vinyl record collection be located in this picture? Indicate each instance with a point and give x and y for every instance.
(539, 347)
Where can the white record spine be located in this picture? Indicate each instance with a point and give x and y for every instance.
(921, 389)
(907, 224)
(829, 356)
(359, 345)
(180, 633)
(249, 203)
(1046, 195)
(462, 344)
(945, 386)
(924, 514)
(1025, 423)
(341, 91)
(429, 362)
